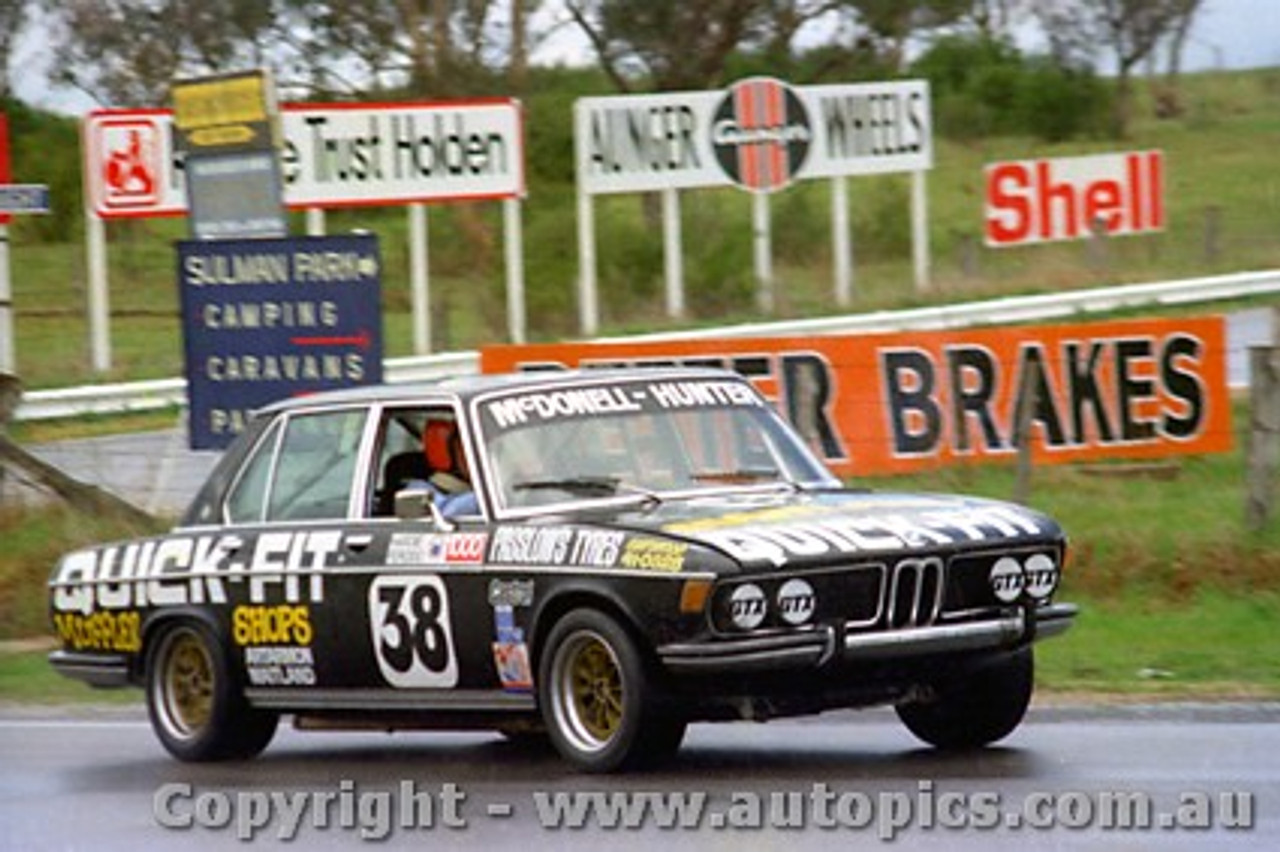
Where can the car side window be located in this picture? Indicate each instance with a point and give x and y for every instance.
(246, 503)
(314, 475)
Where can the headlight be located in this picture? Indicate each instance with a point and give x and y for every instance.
(1007, 579)
(747, 606)
(796, 601)
(1037, 576)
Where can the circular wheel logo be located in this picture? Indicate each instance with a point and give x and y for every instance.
(761, 134)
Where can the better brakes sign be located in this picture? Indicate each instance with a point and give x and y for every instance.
(332, 155)
(268, 319)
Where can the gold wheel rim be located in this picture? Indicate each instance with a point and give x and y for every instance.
(189, 683)
(596, 689)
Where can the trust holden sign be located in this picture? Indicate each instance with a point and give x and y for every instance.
(1068, 198)
(332, 155)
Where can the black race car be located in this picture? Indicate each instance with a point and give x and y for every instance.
(600, 558)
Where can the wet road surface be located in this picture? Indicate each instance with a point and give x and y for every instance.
(1176, 777)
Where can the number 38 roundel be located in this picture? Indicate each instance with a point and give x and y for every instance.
(412, 637)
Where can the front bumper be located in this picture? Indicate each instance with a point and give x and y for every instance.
(104, 670)
(818, 645)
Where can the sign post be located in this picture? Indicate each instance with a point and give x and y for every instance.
(14, 198)
(761, 135)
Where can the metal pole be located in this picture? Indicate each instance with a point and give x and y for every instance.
(762, 239)
(8, 357)
(315, 221)
(98, 307)
(418, 284)
(672, 249)
(514, 239)
(588, 310)
(841, 241)
(920, 231)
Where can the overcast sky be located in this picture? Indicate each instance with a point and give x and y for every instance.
(1227, 34)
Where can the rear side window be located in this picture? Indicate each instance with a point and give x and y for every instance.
(316, 467)
(246, 503)
(301, 470)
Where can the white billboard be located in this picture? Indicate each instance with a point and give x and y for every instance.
(333, 155)
(760, 134)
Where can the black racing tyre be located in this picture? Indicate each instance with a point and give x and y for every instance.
(978, 710)
(597, 697)
(196, 708)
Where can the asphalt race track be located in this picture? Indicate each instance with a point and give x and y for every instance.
(1180, 777)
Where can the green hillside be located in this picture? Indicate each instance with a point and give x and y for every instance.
(1223, 196)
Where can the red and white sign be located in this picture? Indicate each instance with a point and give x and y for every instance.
(1068, 198)
(333, 155)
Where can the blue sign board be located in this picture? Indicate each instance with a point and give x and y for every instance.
(267, 319)
(24, 198)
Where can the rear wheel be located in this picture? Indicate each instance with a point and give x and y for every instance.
(196, 710)
(983, 707)
(597, 697)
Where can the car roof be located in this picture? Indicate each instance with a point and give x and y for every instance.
(465, 388)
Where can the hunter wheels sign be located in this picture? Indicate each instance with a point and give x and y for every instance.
(886, 403)
(761, 134)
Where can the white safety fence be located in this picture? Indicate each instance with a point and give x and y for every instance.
(165, 393)
(156, 470)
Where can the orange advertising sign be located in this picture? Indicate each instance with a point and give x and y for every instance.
(891, 403)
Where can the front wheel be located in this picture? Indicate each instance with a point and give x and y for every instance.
(597, 696)
(195, 708)
(979, 709)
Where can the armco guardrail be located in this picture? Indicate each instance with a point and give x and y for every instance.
(164, 393)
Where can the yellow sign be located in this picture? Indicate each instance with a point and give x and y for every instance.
(234, 113)
(241, 99)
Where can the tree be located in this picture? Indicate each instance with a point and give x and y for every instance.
(666, 44)
(13, 16)
(128, 52)
(890, 23)
(1131, 29)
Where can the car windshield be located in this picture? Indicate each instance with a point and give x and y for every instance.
(649, 438)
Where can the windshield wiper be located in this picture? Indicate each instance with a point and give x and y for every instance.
(587, 486)
(741, 476)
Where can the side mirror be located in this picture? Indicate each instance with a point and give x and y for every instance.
(414, 504)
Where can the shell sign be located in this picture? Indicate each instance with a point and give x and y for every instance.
(895, 403)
